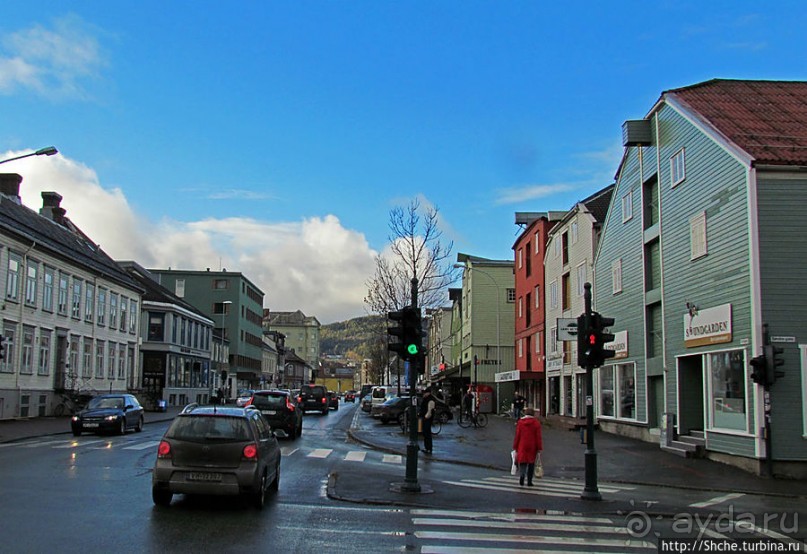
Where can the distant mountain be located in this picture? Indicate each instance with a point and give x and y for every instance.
(354, 335)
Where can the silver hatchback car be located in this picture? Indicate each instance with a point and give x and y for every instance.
(217, 450)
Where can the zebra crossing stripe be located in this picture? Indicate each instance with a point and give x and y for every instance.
(589, 544)
(320, 453)
(549, 515)
(510, 488)
(76, 444)
(392, 459)
(355, 456)
(558, 484)
(544, 525)
(142, 446)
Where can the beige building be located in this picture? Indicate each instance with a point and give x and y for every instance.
(302, 336)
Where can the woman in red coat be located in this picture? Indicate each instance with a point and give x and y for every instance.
(527, 444)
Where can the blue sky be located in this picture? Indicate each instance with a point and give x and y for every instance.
(273, 138)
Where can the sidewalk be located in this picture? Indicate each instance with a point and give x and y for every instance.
(619, 459)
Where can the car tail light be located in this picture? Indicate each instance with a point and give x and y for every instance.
(164, 450)
(324, 400)
(250, 452)
(289, 405)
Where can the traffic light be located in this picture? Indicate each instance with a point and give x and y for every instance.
(759, 371)
(773, 359)
(600, 325)
(585, 342)
(591, 340)
(409, 333)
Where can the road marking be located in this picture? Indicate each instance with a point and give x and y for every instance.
(355, 456)
(142, 446)
(716, 500)
(288, 450)
(320, 453)
(589, 544)
(559, 484)
(392, 459)
(77, 443)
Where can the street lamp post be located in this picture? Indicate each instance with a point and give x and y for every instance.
(48, 151)
(218, 359)
(498, 323)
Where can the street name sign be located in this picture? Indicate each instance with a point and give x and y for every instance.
(567, 328)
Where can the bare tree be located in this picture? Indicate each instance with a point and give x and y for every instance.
(417, 251)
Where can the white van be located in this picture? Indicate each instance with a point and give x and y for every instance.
(378, 395)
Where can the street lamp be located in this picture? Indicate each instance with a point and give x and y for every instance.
(498, 320)
(48, 151)
(221, 342)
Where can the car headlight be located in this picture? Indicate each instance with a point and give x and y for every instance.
(76, 418)
(111, 417)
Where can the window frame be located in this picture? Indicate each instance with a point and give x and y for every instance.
(627, 206)
(616, 276)
(698, 242)
(678, 171)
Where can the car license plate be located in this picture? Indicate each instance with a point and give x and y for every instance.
(269, 412)
(90, 425)
(204, 476)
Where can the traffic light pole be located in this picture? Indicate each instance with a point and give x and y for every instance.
(590, 491)
(410, 483)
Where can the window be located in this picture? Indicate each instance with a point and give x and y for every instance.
(27, 363)
(13, 277)
(124, 305)
(101, 306)
(44, 352)
(8, 364)
(538, 342)
(156, 323)
(537, 242)
(627, 390)
(89, 302)
(520, 308)
(607, 391)
(582, 276)
(511, 295)
(565, 246)
(697, 236)
(133, 316)
(179, 288)
(121, 361)
(110, 369)
(113, 310)
(573, 232)
(553, 340)
(99, 359)
(566, 291)
(537, 296)
(616, 276)
(678, 167)
(556, 246)
(519, 257)
(553, 295)
(86, 370)
(528, 264)
(727, 371)
(72, 358)
(627, 207)
(30, 283)
(47, 289)
(76, 311)
(64, 285)
(220, 284)
(520, 348)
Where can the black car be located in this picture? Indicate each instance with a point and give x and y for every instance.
(391, 409)
(217, 450)
(280, 409)
(111, 413)
(314, 398)
(350, 396)
(333, 400)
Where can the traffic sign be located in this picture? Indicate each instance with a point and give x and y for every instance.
(567, 328)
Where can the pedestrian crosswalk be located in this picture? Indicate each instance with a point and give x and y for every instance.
(562, 488)
(468, 532)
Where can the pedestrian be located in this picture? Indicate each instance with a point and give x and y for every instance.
(528, 444)
(518, 406)
(468, 403)
(426, 413)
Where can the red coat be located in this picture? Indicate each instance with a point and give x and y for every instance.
(527, 442)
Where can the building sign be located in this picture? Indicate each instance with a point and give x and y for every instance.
(619, 346)
(506, 376)
(554, 364)
(709, 326)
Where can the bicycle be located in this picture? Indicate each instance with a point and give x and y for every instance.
(403, 421)
(478, 420)
(69, 405)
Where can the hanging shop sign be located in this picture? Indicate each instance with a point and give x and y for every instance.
(708, 326)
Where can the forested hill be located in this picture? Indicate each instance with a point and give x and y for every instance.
(354, 335)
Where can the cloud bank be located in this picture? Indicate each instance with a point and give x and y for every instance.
(315, 265)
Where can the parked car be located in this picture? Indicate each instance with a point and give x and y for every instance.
(112, 413)
(391, 409)
(243, 397)
(280, 410)
(379, 395)
(366, 403)
(314, 398)
(333, 400)
(217, 450)
(350, 396)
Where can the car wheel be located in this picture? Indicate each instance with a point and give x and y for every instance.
(161, 497)
(139, 428)
(292, 433)
(260, 496)
(76, 432)
(300, 429)
(122, 427)
(275, 486)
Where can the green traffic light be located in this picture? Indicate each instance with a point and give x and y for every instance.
(412, 349)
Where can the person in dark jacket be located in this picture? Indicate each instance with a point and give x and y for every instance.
(527, 443)
(426, 412)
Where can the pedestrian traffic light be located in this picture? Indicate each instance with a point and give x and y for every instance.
(773, 359)
(759, 371)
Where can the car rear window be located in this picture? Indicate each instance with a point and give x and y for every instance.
(313, 391)
(379, 393)
(200, 428)
(269, 400)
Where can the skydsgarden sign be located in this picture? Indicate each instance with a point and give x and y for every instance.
(709, 326)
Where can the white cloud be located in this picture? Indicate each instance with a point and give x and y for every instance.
(514, 195)
(54, 61)
(315, 265)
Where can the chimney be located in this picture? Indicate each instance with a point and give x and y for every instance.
(10, 186)
(51, 206)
